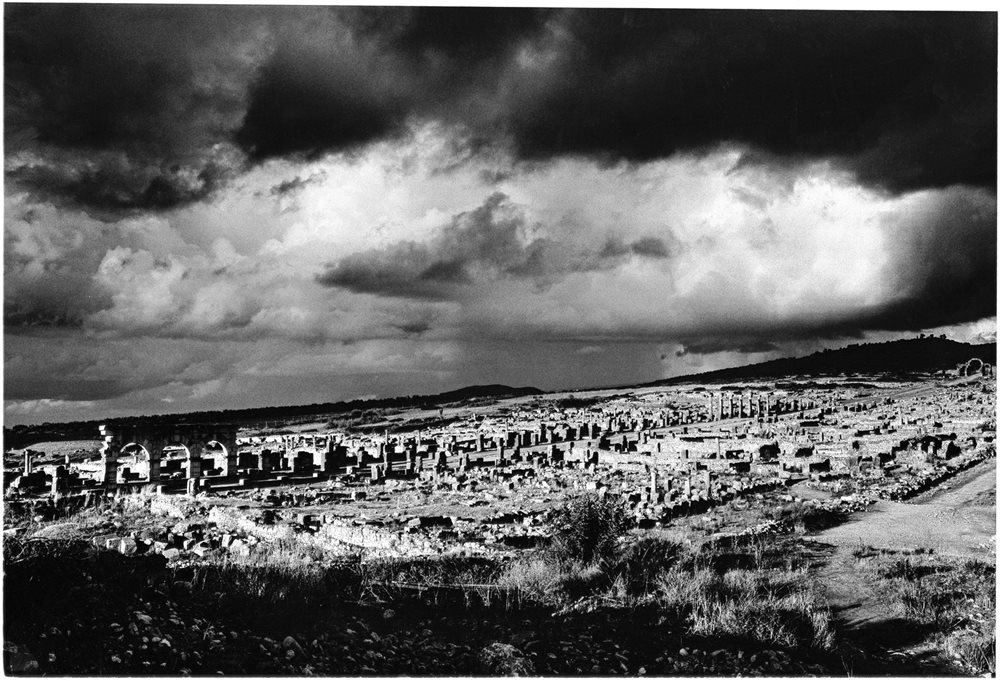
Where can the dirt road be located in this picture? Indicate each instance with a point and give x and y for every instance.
(958, 518)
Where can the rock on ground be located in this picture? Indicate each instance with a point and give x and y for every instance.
(502, 659)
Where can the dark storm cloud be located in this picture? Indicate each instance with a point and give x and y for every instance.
(296, 184)
(484, 244)
(944, 266)
(120, 107)
(310, 101)
(112, 184)
(904, 100)
(485, 239)
(316, 95)
(460, 33)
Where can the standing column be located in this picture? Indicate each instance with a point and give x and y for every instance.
(230, 462)
(109, 462)
(154, 465)
(194, 462)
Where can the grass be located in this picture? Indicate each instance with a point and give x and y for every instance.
(754, 593)
(773, 606)
(758, 593)
(954, 598)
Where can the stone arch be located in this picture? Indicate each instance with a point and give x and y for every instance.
(217, 452)
(223, 453)
(156, 439)
(151, 461)
(133, 446)
(973, 365)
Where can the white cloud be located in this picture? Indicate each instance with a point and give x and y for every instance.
(218, 304)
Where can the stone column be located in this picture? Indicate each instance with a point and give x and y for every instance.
(194, 462)
(230, 463)
(59, 481)
(109, 462)
(154, 465)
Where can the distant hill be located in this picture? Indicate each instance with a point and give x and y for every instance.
(24, 436)
(480, 391)
(916, 355)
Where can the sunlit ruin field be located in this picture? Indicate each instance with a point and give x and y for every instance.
(828, 527)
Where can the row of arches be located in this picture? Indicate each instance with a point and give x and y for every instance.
(147, 454)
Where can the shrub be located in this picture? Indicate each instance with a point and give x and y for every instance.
(587, 528)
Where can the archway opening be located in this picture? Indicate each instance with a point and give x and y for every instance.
(133, 462)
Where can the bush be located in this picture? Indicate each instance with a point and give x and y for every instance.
(587, 528)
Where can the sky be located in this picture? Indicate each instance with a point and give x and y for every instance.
(212, 207)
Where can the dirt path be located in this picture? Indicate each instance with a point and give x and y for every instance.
(959, 519)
